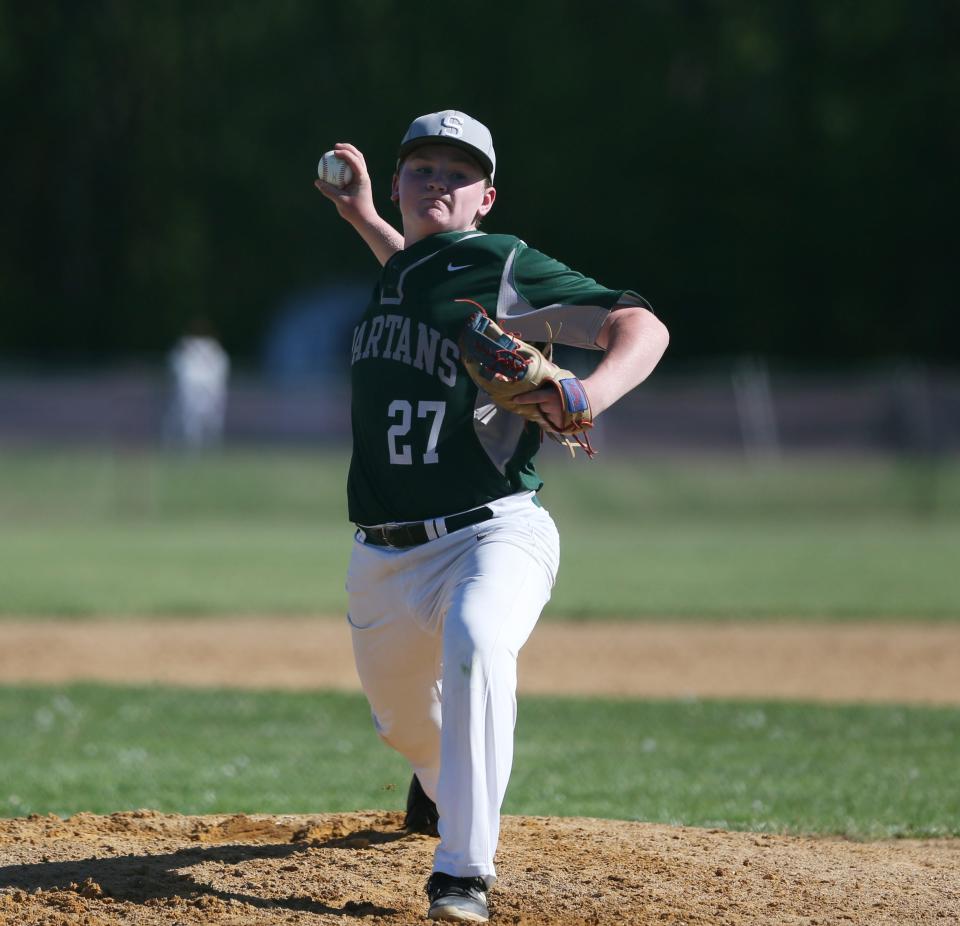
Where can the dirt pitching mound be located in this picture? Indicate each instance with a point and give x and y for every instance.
(145, 868)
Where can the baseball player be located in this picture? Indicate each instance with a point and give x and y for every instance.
(200, 369)
(454, 556)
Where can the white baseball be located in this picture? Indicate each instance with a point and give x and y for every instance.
(334, 170)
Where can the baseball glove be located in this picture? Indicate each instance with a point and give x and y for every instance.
(504, 366)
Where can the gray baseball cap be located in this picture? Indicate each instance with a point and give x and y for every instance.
(451, 127)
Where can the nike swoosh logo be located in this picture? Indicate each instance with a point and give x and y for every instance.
(451, 268)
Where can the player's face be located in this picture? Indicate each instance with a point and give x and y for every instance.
(439, 188)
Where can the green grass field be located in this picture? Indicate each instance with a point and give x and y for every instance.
(864, 772)
(85, 533)
(139, 534)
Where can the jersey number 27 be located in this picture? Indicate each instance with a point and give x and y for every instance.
(401, 411)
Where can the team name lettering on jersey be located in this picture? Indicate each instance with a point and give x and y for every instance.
(389, 337)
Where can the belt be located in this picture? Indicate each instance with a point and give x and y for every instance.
(415, 533)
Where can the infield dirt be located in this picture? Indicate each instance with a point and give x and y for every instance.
(865, 662)
(145, 869)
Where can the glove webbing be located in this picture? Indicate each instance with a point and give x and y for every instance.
(574, 396)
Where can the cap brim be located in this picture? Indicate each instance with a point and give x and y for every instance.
(475, 153)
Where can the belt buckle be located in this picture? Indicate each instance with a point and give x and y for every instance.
(385, 536)
(377, 536)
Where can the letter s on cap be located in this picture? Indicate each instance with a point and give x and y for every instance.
(452, 125)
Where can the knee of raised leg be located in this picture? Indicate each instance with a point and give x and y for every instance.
(415, 740)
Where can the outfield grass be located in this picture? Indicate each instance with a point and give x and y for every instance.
(863, 772)
(84, 533)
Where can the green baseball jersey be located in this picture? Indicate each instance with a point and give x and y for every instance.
(426, 441)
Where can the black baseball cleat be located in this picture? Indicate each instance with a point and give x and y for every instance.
(422, 816)
(462, 899)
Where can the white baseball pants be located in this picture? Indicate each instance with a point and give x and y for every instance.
(436, 633)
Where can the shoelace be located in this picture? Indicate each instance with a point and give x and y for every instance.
(443, 885)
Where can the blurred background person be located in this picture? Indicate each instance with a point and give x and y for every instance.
(200, 370)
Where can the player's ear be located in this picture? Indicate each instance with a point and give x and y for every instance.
(486, 204)
(395, 189)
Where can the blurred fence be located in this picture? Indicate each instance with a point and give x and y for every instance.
(741, 409)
